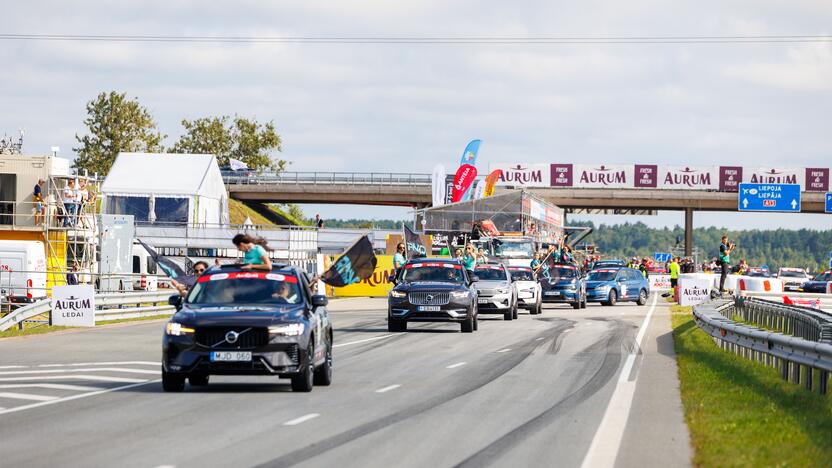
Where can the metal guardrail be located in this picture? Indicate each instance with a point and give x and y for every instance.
(326, 178)
(109, 306)
(799, 359)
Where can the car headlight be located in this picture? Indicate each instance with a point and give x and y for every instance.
(176, 329)
(397, 294)
(502, 291)
(459, 294)
(605, 287)
(291, 329)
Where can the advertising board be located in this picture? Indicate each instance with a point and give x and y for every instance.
(693, 291)
(73, 306)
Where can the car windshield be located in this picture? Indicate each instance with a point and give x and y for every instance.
(522, 275)
(246, 288)
(758, 273)
(825, 276)
(439, 272)
(556, 273)
(601, 275)
(792, 274)
(514, 249)
(490, 273)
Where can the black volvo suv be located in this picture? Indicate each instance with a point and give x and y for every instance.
(432, 290)
(244, 322)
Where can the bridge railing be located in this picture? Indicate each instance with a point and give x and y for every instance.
(326, 178)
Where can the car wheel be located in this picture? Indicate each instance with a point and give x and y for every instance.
(323, 374)
(583, 303)
(476, 321)
(576, 305)
(305, 380)
(172, 382)
(468, 324)
(394, 325)
(642, 298)
(613, 298)
(508, 315)
(198, 380)
(514, 312)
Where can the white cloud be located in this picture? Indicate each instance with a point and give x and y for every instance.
(804, 68)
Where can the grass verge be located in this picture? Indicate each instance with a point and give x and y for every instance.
(39, 329)
(741, 414)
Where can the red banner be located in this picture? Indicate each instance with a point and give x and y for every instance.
(465, 176)
(491, 181)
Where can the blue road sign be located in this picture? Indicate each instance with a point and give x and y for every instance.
(662, 257)
(769, 197)
(828, 203)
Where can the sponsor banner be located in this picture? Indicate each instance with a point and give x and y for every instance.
(659, 282)
(449, 189)
(817, 179)
(602, 176)
(774, 175)
(730, 178)
(688, 177)
(560, 175)
(554, 216)
(465, 176)
(491, 182)
(376, 285)
(645, 176)
(438, 185)
(693, 291)
(537, 210)
(73, 306)
(521, 175)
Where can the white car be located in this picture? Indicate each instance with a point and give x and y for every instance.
(793, 278)
(529, 292)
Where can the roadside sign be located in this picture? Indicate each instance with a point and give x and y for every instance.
(769, 197)
(662, 257)
(73, 306)
(828, 208)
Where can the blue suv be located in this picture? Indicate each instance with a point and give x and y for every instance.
(611, 285)
(563, 283)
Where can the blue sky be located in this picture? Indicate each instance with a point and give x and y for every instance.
(386, 107)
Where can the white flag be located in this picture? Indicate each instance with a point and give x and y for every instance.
(438, 183)
(237, 165)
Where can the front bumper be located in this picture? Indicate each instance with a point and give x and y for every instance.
(281, 356)
(496, 304)
(454, 311)
(597, 295)
(561, 295)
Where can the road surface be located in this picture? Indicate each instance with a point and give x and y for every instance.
(567, 388)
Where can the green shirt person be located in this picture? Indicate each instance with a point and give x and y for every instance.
(256, 254)
(398, 258)
(674, 269)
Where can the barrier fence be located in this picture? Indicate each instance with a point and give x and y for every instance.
(795, 340)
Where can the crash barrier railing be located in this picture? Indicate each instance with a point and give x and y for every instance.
(341, 178)
(801, 322)
(813, 300)
(14, 283)
(798, 359)
(109, 306)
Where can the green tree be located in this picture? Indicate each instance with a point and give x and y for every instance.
(115, 124)
(243, 139)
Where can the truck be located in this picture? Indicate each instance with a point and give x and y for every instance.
(22, 271)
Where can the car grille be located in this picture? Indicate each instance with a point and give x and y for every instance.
(214, 337)
(487, 292)
(429, 298)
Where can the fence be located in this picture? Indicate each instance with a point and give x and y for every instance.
(109, 306)
(796, 340)
(341, 178)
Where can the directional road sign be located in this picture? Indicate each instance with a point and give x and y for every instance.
(769, 197)
(662, 257)
(828, 203)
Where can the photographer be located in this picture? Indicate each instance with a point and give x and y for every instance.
(724, 261)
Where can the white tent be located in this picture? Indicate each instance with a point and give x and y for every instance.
(166, 189)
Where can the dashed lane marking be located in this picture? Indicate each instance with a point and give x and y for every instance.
(504, 350)
(363, 341)
(454, 366)
(98, 378)
(388, 388)
(26, 396)
(89, 369)
(539, 339)
(301, 420)
(77, 388)
(12, 367)
(75, 397)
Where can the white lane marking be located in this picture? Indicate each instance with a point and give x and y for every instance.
(363, 341)
(388, 388)
(108, 363)
(99, 378)
(607, 440)
(539, 339)
(13, 367)
(75, 397)
(53, 386)
(27, 396)
(166, 466)
(302, 419)
(504, 350)
(90, 369)
(454, 366)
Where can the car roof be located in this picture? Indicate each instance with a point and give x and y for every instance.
(282, 267)
(433, 260)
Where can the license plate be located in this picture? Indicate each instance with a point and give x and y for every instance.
(428, 308)
(552, 293)
(230, 356)
(483, 301)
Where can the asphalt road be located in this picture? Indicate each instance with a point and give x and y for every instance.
(568, 388)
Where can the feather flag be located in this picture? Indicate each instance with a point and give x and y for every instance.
(465, 176)
(491, 182)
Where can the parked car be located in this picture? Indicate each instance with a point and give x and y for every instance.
(819, 284)
(529, 291)
(612, 285)
(496, 293)
(435, 290)
(22, 270)
(243, 322)
(758, 272)
(793, 278)
(563, 283)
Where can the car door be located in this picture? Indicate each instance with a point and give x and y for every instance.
(635, 281)
(318, 320)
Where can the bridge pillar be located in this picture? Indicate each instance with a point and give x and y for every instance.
(688, 232)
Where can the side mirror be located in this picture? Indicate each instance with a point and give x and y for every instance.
(392, 278)
(319, 300)
(474, 278)
(176, 301)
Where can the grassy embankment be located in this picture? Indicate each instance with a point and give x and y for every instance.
(39, 329)
(740, 413)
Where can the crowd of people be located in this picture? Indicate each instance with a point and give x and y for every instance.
(75, 198)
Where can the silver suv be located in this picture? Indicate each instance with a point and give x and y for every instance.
(497, 294)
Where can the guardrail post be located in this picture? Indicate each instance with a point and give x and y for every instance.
(823, 382)
(784, 369)
(795, 373)
(807, 381)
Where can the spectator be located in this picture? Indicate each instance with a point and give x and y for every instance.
(535, 264)
(256, 252)
(319, 223)
(72, 277)
(37, 196)
(481, 257)
(399, 257)
(69, 194)
(725, 249)
(643, 267)
(674, 274)
(469, 259)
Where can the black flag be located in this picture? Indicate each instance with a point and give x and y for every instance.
(413, 244)
(168, 266)
(358, 263)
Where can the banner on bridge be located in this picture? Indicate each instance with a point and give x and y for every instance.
(521, 175)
